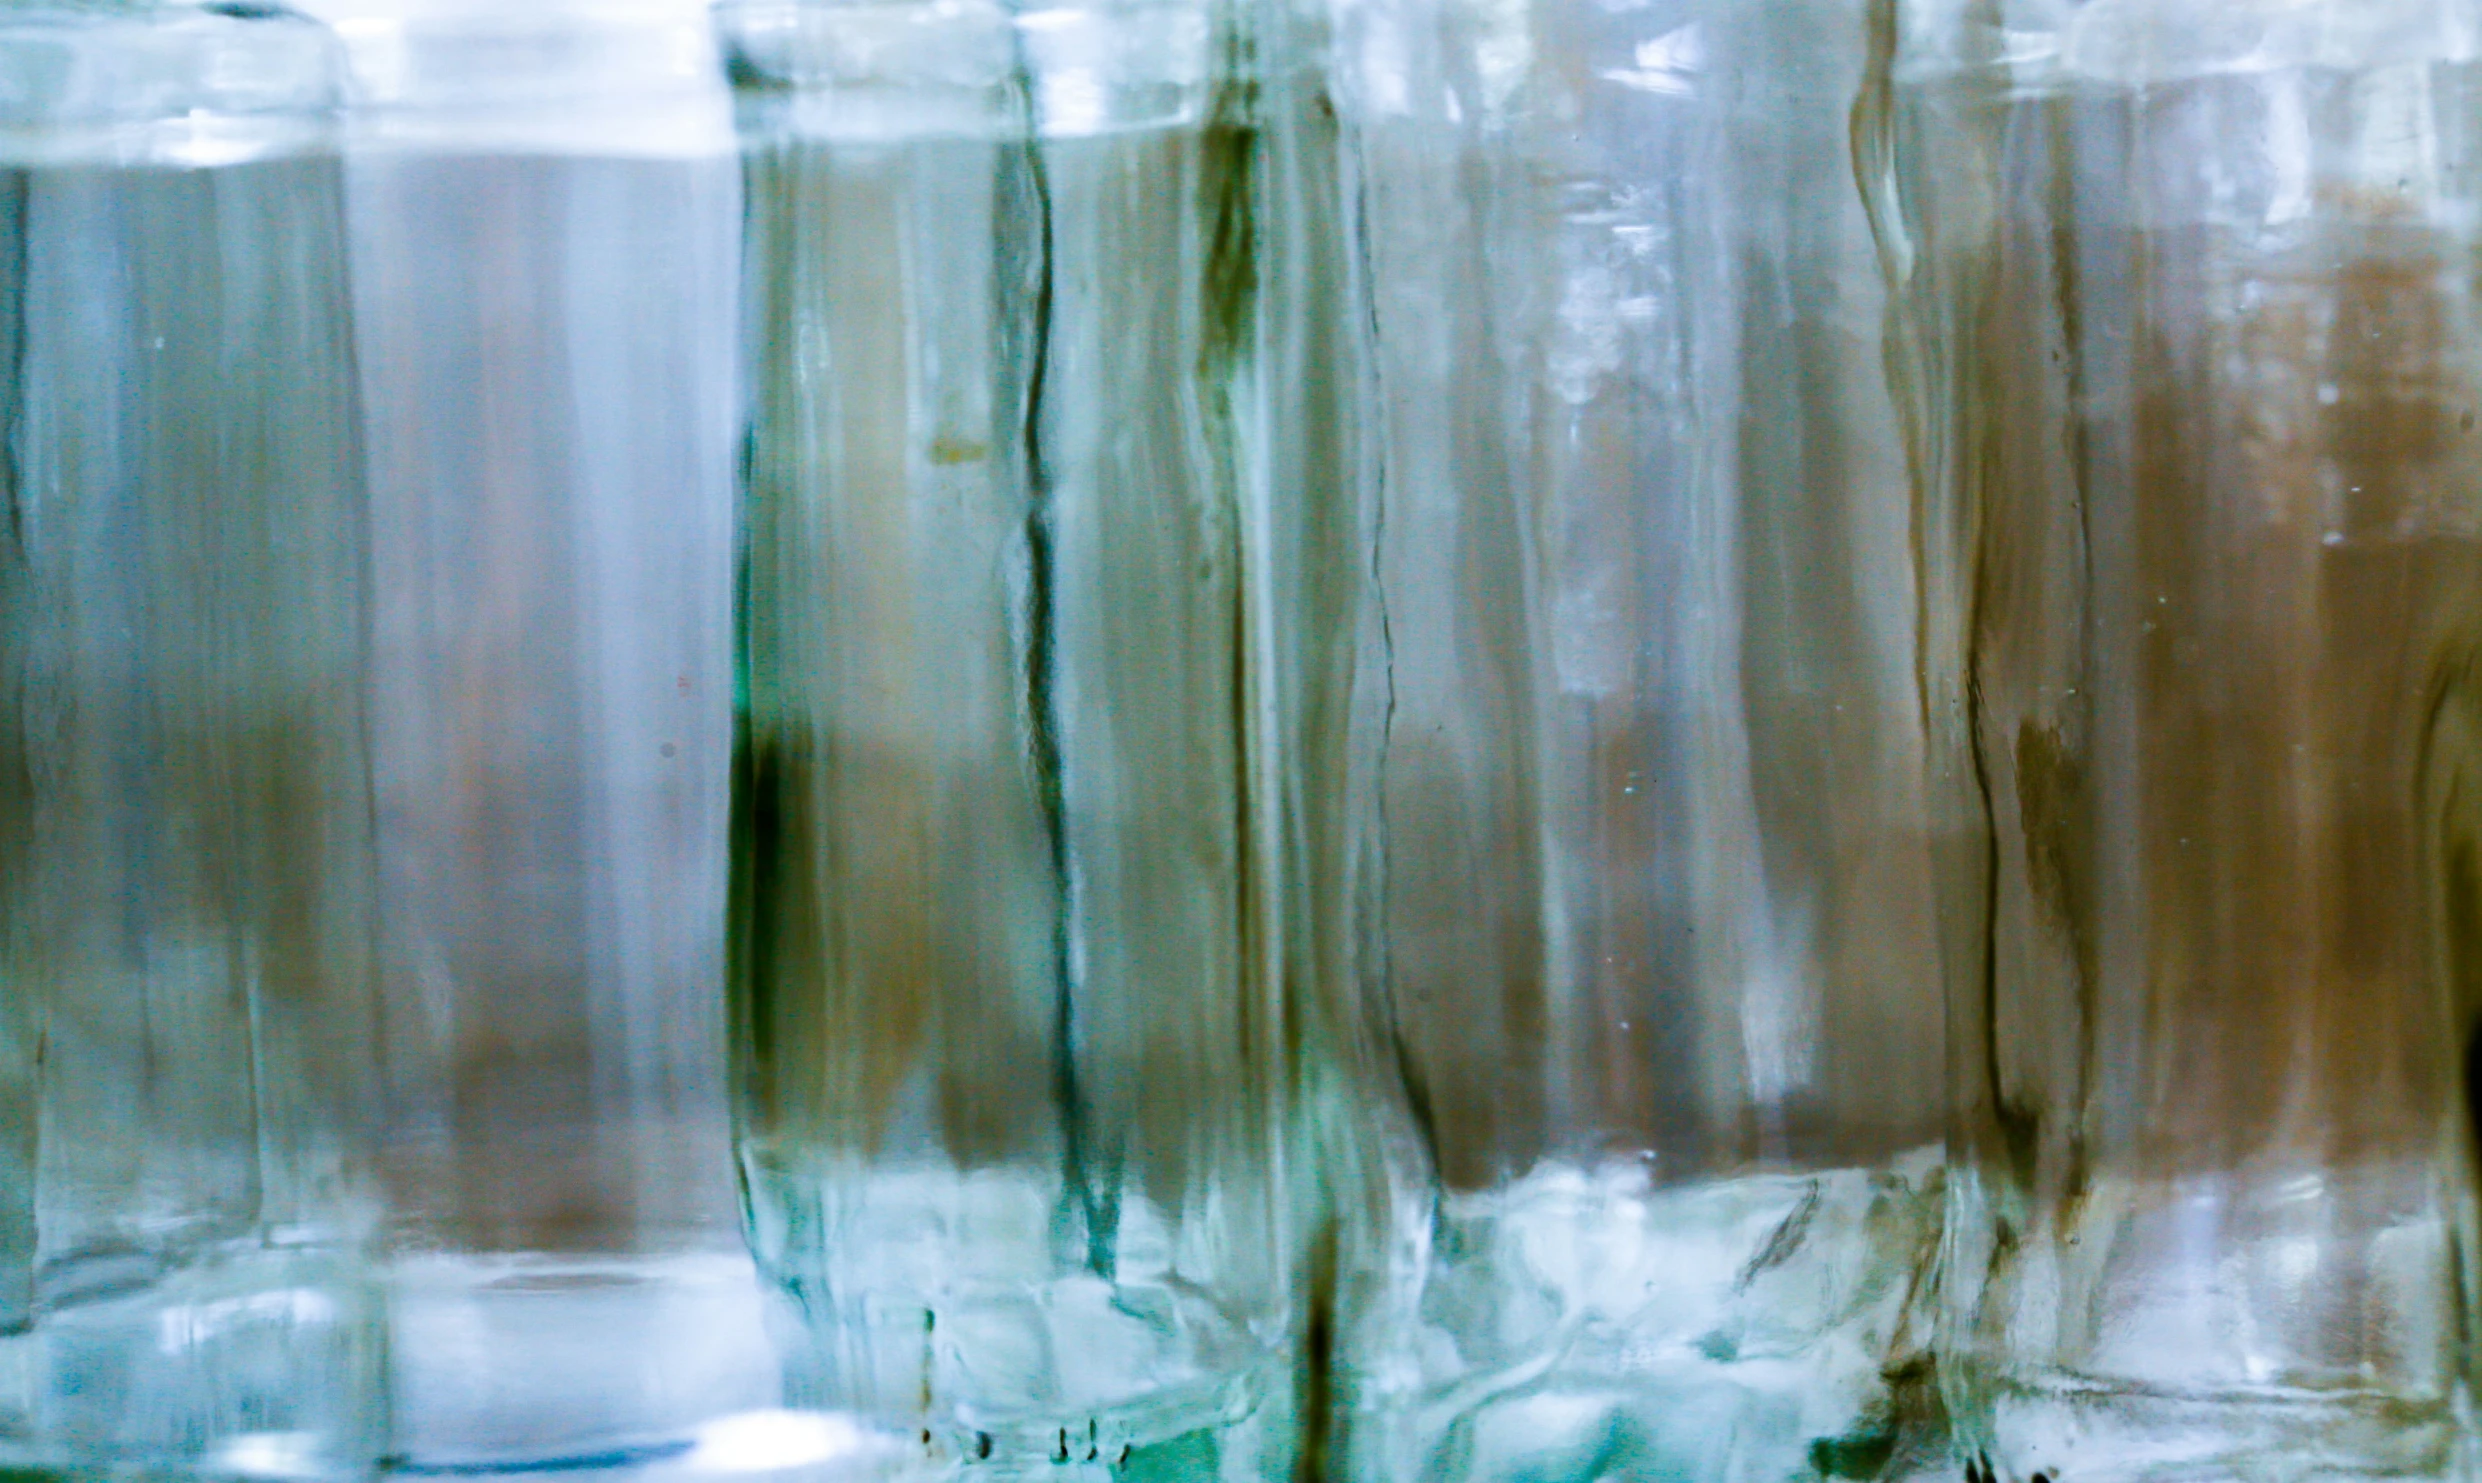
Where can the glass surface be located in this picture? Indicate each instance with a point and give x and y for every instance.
(542, 208)
(1644, 920)
(186, 879)
(2193, 296)
(1004, 1031)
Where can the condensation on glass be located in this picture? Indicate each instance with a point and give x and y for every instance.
(1004, 1025)
(186, 869)
(2192, 296)
(1642, 920)
(542, 210)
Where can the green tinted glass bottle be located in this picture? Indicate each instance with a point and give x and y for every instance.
(1005, 1027)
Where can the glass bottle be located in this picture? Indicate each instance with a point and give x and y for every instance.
(1645, 932)
(542, 212)
(1006, 1041)
(2192, 293)
(186, 871)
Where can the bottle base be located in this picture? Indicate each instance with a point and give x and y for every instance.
(515, 1362)
(1585, 1324)
(248, 1362)
(1074, 1380)
(2063, 1428)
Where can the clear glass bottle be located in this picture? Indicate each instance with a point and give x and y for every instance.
(2192, 291)
(1006, 1034)
(542, 212)
(1646, 931)
(187, 1011)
